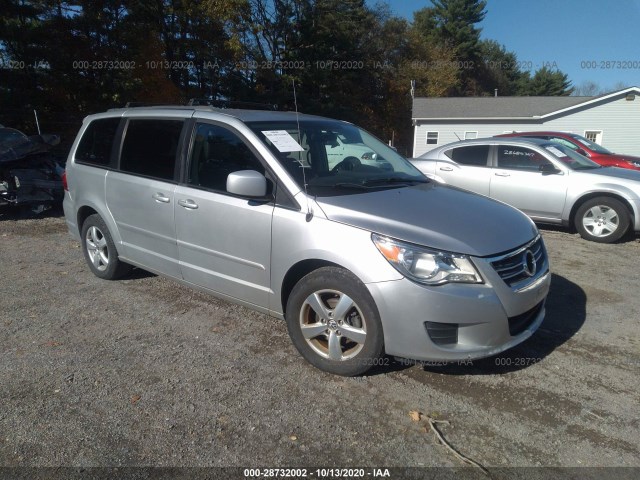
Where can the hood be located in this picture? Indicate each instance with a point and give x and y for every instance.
(435, 216)
(613, 173)
(623, 157)
(12, 150)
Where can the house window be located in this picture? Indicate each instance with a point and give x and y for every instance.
(594, 136)
(470, 135)
(432, 138)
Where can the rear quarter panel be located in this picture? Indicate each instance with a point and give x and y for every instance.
(86, 188)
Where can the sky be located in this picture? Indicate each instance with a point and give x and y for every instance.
(589, 40)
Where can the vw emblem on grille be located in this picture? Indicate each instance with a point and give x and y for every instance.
(529, 263)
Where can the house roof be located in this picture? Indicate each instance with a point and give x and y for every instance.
(467, 108)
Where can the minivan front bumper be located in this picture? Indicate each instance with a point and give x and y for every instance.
(456, 322)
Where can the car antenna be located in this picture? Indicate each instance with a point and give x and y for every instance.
(37, 122)
(457, 136)
(309, 215)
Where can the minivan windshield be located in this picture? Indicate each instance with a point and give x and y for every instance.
(335, 158)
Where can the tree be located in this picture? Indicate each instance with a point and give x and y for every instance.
(548, 82)
(456, 28)
(587, 89)
(425, 23)
(498, 69)
(199, 41)
(456, 20)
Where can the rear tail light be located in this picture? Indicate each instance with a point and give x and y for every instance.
(64, 182)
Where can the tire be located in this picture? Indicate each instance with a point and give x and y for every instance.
(602, 220)
(100, 251)
(332, 304)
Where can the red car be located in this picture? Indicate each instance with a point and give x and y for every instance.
(585, 147)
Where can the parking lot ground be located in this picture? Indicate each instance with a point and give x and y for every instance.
(144, 372)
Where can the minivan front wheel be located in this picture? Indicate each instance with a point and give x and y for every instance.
(334, 323)
(100, 251)
(602, 219)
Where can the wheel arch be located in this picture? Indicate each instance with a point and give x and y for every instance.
(83, 213)
(299, 270)
(89, 208)
(585, 198)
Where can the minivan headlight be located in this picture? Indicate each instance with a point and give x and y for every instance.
(427, 266)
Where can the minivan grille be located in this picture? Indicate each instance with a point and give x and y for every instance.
(519, 266)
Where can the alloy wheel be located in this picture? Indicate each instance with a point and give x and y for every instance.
(97, 248)
(333, 325)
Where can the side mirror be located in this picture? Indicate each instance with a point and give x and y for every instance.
(548, 168)
(247, 183)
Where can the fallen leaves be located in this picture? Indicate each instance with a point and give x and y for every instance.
(415, 415)
(135, 399)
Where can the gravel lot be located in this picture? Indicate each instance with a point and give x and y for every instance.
(145, 372)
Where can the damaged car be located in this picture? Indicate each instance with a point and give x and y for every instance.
(30, 175)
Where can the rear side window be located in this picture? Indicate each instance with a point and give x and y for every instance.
(475, 155)
(97, 142)
(150, 148)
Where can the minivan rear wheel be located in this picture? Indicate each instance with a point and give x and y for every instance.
(100, 251)
(334, 323)
(602, 219)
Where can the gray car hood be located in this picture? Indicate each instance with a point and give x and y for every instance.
(435, 216)
(614, 173)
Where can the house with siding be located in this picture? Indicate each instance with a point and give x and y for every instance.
(612, 120)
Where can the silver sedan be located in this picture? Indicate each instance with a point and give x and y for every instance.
(547, 181)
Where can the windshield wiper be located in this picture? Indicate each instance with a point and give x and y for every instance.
(358, 186)
(371, 183)
(392, 180)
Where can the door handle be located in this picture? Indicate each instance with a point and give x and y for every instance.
(502, 174)
(190, 204)
(160, 197)
(446, 169)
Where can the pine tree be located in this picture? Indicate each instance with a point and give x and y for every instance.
(456, 21)
(549, 82)
(456, 28)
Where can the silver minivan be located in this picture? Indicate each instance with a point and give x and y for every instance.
(360, 258)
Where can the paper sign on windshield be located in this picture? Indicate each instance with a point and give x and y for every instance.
(283, 141)
(556, 152)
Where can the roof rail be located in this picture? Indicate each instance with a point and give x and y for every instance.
(195, 102)
(143, 104)
(205, 102)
